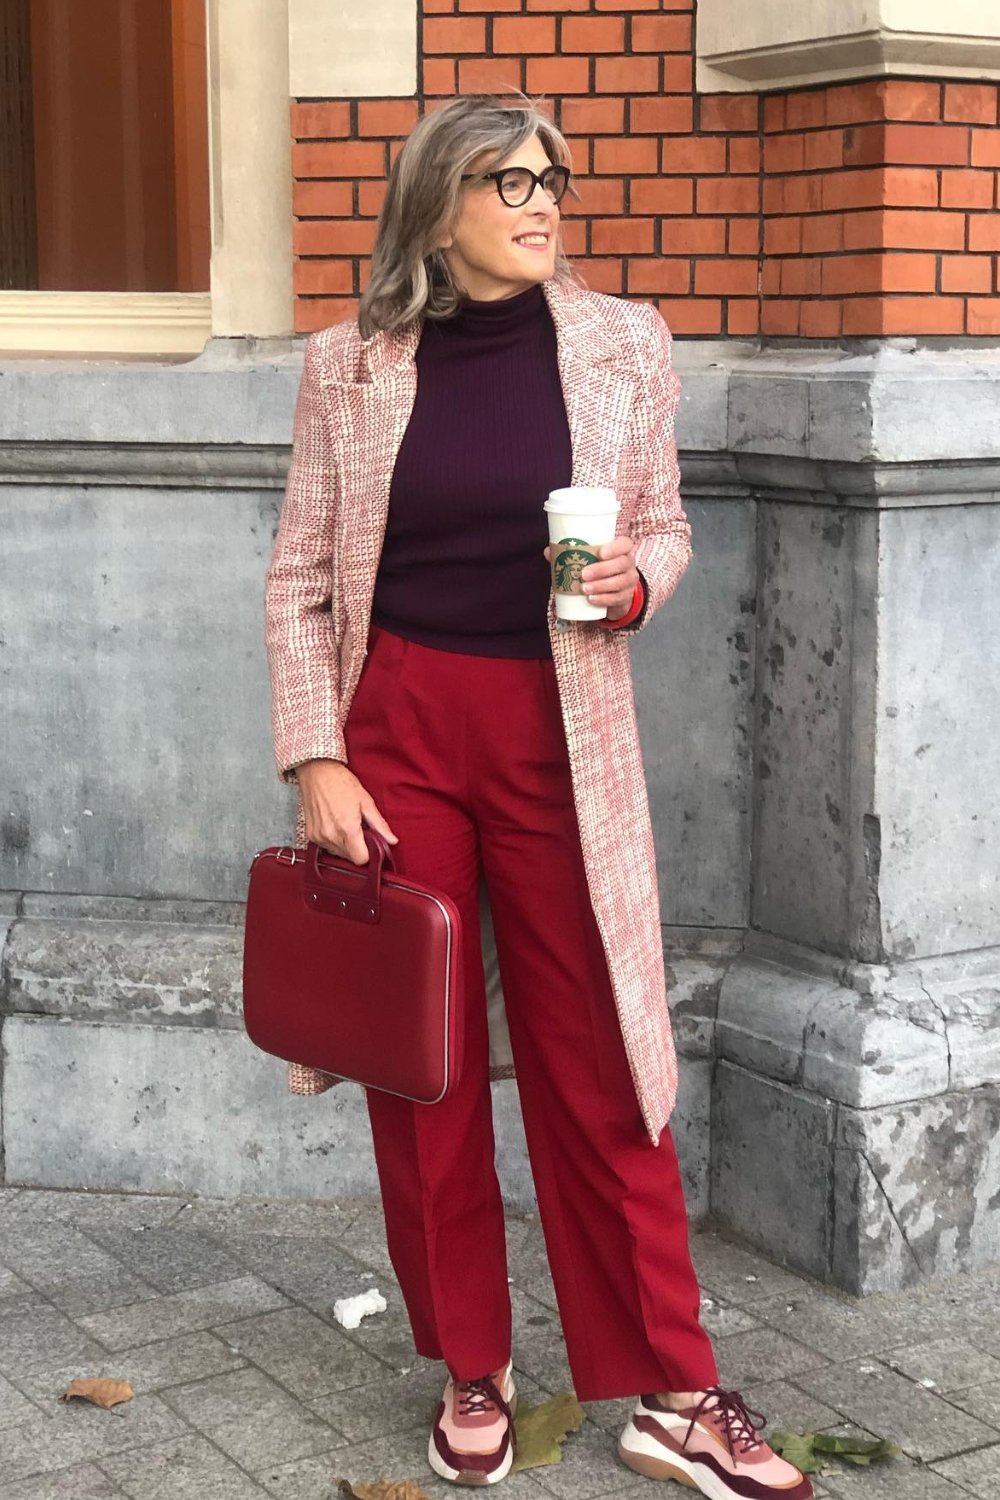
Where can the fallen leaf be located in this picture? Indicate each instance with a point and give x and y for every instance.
(382, 1489)
(541, 1429)
(100, 1392)
(806, 1450)
(797, 1448)
(856, 1450)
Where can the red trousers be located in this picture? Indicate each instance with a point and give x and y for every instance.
(466, 758)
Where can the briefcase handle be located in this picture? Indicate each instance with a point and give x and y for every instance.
(340, 888)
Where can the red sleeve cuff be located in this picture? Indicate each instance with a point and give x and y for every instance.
(632, 613)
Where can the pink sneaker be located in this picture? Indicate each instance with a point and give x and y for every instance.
(711, 1446)
(472, 1439)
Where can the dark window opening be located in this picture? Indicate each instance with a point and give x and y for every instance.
(103, 146)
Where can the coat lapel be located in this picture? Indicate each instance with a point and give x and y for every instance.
(598, 386)
(370, 414)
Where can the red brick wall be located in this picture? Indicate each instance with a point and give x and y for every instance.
(864, 208)
(880, 210)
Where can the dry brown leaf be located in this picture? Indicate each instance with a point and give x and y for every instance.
(382, 1489)
(101, 1392)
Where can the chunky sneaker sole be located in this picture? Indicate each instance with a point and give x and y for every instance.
(472, 1437)
(653, 1444)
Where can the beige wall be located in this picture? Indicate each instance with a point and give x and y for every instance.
(251, 168)
(352, 48)
(773, 44)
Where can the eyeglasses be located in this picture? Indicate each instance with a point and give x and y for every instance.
(516, 184)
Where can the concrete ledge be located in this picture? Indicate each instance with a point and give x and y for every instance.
(916, 1030)
(886, 404)
(137, 1005)
(135, 1009)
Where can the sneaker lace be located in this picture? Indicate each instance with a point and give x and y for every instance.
(477, 1396)
(740, 1422)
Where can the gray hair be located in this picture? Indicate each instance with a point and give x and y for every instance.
(410, 277)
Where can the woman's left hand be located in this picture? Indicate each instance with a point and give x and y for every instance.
(610, 583)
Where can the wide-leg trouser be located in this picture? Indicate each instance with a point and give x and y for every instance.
(466, 758)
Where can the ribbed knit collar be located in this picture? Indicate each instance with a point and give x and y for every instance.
(506, 315)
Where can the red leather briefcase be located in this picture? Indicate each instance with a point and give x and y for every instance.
(353, 970)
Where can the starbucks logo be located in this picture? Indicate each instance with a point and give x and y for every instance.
(570, 561)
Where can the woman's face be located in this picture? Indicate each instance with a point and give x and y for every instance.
(495, 251)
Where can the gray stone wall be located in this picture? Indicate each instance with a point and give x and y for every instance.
(819, 728)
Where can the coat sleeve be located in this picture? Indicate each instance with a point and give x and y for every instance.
(302, 653)
(660, 527)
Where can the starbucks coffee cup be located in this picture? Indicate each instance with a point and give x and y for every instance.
(581, 519)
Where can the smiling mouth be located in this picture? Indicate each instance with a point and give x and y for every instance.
(532, 241)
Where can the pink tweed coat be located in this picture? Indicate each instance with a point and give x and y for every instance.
(621, 396)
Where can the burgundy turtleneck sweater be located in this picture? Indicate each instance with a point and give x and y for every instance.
(462, 566)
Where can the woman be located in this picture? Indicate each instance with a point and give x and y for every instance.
(422, 686)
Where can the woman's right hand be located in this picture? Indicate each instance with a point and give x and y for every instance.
(334, 803)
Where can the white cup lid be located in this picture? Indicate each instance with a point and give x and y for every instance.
(583, 500)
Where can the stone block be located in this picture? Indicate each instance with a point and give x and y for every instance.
(182, 1109)
(252, 1419)
(982, 1401)
(13, 1406)
(83, 1482)
(126, 971)
(300, 1351)
(975, 1473)
(691, 1128)
(37, 1336)
(151, 765)
(763, 1354)
(694, 709)
(693, 986)
(814, 708)
(190, 1356)
(762, 1017)
(170, 1259)
(771, 1167)
(182, 1312)
(390, 1402)
(77, 1433)
(949, 1364)
(914, 1190)
(220, 398)
(931, 405)
(937, 751)
(703, 413)
(965, 988)
(885, 1044)
(879, 1042)
(187, 1468)
(768, 411)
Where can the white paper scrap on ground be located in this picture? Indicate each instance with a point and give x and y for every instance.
(349, 1311)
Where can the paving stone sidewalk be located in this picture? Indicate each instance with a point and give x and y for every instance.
(220, 1313)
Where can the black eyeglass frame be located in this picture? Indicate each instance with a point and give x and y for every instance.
(563, 174)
